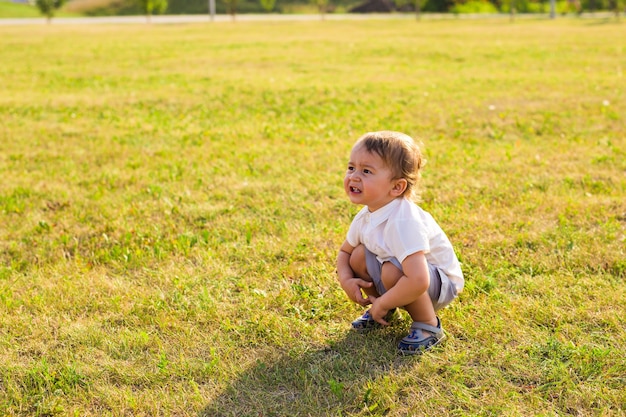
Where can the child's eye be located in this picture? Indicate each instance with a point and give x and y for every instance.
(350, 168)
(367, 171)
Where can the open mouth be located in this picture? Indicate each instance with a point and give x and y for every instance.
(355, 190)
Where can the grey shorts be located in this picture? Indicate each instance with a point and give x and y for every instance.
(441, 290)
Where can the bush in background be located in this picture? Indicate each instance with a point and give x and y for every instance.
(474, 6)
(49, 7)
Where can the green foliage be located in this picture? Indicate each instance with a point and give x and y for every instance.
(231, 7)
(189, 6)
(597, 5)
(171, 208)
(49, 7)
(268, 5)
(150, 7)
(322, 5)
(474, 6)
(133, 7)
(438, 6)
(223, 6)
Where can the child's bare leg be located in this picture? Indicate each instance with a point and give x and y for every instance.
(390, 275)
(359, 267)
(420, 310)
(422, 313)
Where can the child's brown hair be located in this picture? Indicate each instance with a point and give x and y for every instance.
(400, 153)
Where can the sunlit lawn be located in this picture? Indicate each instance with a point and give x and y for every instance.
(171, 205)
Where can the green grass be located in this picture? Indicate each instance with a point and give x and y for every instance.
(8, 9)
(171, 206)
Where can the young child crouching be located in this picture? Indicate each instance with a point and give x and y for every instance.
(395, 252)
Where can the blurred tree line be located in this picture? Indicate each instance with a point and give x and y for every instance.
(133, 7)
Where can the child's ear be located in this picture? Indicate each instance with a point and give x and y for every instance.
(399, 187)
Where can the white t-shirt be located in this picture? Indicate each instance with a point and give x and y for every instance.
(402, 228)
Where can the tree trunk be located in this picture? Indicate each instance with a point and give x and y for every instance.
(212, 9)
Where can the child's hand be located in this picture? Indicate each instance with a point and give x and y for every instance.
(352, 288)
(377, 311)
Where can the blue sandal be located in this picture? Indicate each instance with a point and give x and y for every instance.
(416, 342)
(366, 322)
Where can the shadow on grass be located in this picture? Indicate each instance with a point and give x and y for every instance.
(334, 379)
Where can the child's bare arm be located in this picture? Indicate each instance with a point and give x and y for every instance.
(343, 262)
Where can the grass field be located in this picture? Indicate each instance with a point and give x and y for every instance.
(9, 9)
(171, 205)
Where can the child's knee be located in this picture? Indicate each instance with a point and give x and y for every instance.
(357, 261)
(390, 275)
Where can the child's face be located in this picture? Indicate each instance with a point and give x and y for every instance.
(368, 180)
